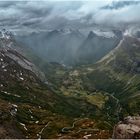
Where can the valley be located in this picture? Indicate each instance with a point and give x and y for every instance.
(62, 84)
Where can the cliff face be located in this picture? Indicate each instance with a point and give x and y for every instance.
(129, 128)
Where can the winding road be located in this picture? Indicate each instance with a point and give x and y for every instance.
(118, 109)
(66, 129)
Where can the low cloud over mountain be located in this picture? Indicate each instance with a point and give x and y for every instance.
(23, 15)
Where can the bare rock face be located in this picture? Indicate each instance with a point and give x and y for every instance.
(129, 128)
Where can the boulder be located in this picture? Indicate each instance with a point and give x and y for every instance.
(129, 128)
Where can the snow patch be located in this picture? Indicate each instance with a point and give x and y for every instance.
(24, 126)
(107, 34)
(21, 78)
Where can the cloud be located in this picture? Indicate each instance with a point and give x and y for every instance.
(35, 15)
(125, 14)
(120, 4)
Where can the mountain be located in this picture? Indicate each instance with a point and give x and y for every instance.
(18, 53)
(96, 46)
(50, 73)
(112, 84)
(80, 102)
(137, 34)
(55, 46)
(69, 46)
(125, 57)
(30, 108)
(118, 74)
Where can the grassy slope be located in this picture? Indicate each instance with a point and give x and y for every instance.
(90, 91)
(112, 84)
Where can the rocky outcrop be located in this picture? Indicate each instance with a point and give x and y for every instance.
(129, 128)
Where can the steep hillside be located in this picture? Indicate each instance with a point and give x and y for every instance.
(112, 84)
(118, 74)
(42, 68)
(96, 46)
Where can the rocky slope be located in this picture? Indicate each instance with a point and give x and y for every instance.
(10, 48)
(129, 128)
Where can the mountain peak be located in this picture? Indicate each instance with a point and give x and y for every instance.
(6, 38)
(6, 34)
(91, 34)
(118, 33)
(70, 31)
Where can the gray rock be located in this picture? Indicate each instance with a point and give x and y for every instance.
(129, 128)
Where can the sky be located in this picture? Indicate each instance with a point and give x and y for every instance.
(44, 15)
